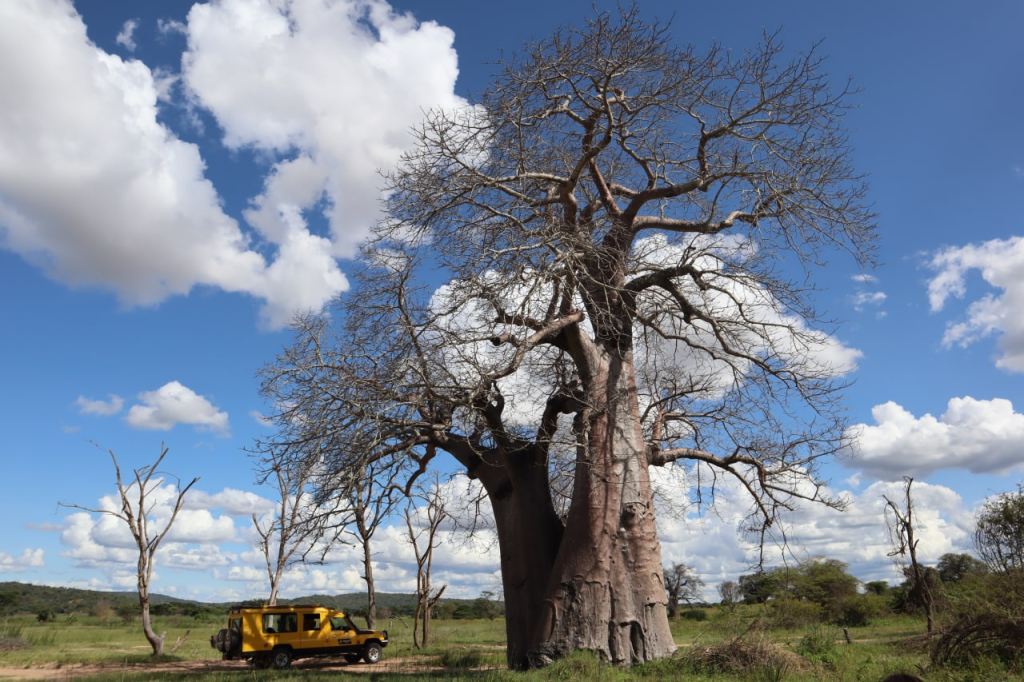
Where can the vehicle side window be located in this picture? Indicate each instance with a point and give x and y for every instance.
(339, 624)
(280, 622)
(311, 621)
(236, 624)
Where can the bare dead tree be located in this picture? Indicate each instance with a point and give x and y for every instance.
(423, 539)
(137, 513)
(730, 593)
(287, 537)
(365, 502)
(610, 221)
(899, 520)
(681, 584)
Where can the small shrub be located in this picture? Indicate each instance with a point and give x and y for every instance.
(749, 656)
(694, 614)
(818, 645)
(579, 665)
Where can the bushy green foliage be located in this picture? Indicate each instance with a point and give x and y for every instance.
(953, 568)
(880, 587)
(858, 610)
(793, 613)
(999, 534)
(694, 614)
(819, 645)
(909, 597)
(985, 621)
(816, 590)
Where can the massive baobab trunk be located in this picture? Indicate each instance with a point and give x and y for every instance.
(606, 592)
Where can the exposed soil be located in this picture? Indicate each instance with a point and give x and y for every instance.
(76, 671)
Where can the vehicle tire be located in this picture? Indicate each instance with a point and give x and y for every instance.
(281, 658)
(372, 652)
(353, 658)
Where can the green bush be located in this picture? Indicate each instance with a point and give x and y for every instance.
(793, 613)
(985, 622)
(858, 610)
(819, 645)
(694, 614)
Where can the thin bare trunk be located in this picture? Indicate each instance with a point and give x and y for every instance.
(371, 592)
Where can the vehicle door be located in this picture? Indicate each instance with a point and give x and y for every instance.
(343, 633)
(314, 635)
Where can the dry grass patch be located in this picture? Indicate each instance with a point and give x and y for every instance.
(743, 654)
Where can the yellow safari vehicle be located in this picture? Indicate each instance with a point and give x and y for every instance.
(276, 635)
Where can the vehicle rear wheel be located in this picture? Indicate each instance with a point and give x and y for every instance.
(372, 652)
(353, 658)
(281, 658)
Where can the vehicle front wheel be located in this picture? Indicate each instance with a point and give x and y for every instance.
(353, 658)
(281, 658)
(372, 652)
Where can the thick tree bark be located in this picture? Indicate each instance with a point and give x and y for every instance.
(606, 592)
(595, 583)
(529, 536)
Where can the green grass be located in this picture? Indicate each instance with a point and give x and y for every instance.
(474, 650)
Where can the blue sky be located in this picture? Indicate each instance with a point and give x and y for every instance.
(171, 188)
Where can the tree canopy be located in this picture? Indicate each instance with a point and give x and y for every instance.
(999, 533)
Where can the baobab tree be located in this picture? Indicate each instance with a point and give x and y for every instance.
(681, 584)
(137, 512)
(610, 222)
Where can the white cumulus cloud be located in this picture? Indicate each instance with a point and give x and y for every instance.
(1001, 264)
(97, 192)
(174, 404)
(331, 89)
(29, 559)
(981, 436)
(100, 407)
(711, 543)
(231, 501)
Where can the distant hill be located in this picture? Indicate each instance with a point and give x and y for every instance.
(356, 601)
(36, 598)
(27, 598)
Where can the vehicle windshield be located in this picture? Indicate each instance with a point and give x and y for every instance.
(342, 622)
